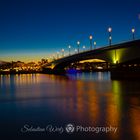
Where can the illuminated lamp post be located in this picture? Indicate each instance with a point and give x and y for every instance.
(133, 33)
(78, 45)
(76, 51)
(94, 45)
(69, 49)
(84, 47)
(90, 38)
(110, 36)
(63, 52)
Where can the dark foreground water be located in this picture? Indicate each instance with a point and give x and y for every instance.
(32, 105)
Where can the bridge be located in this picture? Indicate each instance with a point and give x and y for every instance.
(115, 55)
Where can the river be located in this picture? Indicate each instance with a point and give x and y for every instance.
(31, 105)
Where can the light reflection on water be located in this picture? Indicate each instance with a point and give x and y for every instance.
(84, 98)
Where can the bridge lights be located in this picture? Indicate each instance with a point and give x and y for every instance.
(75, 51)
(133, 33)
(69, 49)
(110, 36)
(84, 47)
(62, 52)
(90, 38)
(109, 29)
(94, 45)
(78, 45)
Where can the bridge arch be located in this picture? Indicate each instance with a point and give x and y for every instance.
(119, 53)
(64, 64)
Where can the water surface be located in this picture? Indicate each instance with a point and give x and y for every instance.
(87, 99)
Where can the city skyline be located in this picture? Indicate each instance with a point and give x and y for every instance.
(32, 30)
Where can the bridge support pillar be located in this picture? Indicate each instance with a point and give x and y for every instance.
(120, 72)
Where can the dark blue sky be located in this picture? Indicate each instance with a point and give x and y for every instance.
(34, 29)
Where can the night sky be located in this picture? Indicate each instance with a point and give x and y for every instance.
(35, 29)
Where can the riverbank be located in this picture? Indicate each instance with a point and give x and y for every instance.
(18, 72)
(116, 73)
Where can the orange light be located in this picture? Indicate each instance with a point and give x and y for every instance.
(90, 37)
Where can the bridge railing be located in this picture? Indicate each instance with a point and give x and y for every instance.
(98, 48)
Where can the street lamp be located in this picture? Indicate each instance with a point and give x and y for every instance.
(110, 36)
(94, 45)
(69, 49)
(63, 52)
(84, 47)
(78, 45)
(133, 33)
(75, 51)
(90, 38)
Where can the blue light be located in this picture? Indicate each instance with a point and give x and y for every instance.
(73, 71)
